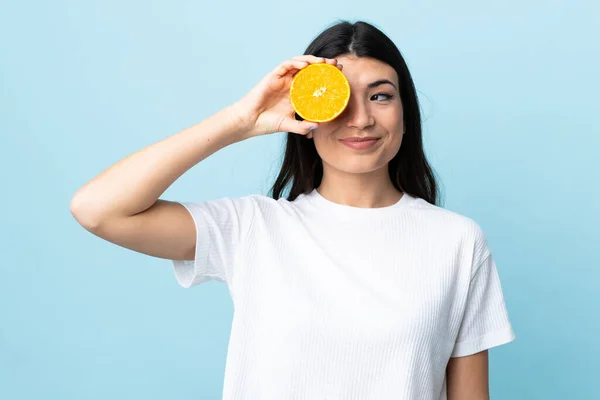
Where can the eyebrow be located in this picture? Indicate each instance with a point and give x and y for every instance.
(380, 82)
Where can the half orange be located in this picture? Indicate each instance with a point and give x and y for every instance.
(319, 92)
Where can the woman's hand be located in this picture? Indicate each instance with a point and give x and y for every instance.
(267, 109)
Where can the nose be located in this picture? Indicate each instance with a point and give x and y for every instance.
(358, 115)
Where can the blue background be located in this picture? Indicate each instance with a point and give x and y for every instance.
(509, 92)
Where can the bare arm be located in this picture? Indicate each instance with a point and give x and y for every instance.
(122, 203)
(467, 377)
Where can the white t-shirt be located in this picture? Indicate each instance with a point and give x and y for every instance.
(346, 303)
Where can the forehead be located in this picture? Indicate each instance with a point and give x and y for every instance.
(361, 71)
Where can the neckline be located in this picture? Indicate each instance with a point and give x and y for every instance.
(350, 211)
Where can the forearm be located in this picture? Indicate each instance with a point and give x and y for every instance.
(133, 184)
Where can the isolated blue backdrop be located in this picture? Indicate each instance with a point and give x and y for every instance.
(509, 93)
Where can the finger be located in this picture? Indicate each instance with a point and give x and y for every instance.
(286, 66)
(315, 60)
(332, 61)
(299, 127)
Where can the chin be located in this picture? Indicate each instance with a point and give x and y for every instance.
(360, 167)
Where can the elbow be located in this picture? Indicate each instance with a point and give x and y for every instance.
(84, 213)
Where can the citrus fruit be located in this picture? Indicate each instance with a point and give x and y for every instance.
(319, 92)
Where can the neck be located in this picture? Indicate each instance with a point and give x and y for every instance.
(369, 190)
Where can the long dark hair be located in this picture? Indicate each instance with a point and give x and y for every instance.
(409, 170)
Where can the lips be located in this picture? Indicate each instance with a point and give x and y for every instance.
(359, 139)
(360, 143)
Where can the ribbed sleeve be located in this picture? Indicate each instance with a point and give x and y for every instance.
(485, 321)
(221, 225)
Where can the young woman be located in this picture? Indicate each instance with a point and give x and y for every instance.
(355, 286)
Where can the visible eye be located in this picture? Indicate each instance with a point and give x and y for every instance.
(387, 95)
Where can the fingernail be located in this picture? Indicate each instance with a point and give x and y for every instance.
(312, 128)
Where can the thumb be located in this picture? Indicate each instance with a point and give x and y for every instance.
(300, 127)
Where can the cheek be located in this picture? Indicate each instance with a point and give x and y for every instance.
(397, 119)
(396, 144)
(396, 129)
(397, 136)
(327, 146)
(324, 135)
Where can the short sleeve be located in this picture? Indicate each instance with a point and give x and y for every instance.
(221, 226)
(485, 322)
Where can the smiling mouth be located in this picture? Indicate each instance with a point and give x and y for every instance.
(361, 144)
(359, 139)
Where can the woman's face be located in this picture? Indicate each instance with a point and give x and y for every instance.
(374, 109)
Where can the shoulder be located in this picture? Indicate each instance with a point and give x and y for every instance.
(249, 204)
(459, 228)
(441, 216)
